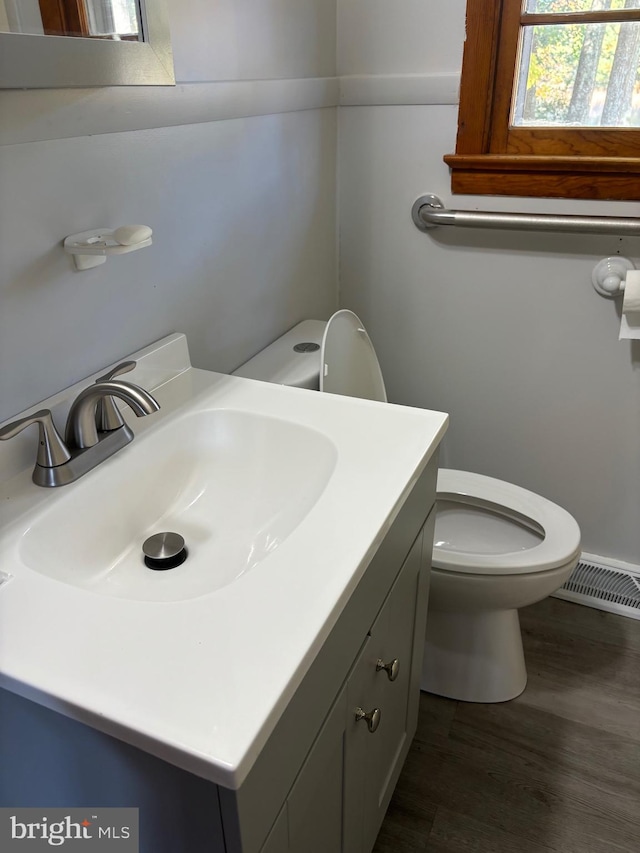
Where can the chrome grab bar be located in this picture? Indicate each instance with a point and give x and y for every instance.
(429, 212)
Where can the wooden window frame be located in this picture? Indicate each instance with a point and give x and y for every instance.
(64, 17)
(493, 158)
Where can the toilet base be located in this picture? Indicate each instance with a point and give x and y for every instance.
(474, 657)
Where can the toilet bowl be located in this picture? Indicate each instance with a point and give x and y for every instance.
(497, 547)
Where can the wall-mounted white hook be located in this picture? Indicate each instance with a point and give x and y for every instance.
(90, 248)
(609, 274)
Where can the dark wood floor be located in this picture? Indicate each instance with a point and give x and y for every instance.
(556, 770)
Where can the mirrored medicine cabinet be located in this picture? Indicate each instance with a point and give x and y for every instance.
(84, 43)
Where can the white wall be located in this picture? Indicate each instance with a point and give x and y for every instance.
(245, 40)
(243, 210)
(502, 330)
(404, 37)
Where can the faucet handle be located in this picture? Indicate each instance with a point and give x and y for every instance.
(108, 415)
(123, 367)
(52, 451)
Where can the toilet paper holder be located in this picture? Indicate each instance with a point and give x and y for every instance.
(609, 275)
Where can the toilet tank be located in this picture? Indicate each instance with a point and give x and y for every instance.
(293, 359)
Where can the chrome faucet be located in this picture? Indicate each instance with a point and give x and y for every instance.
(82, 430)
(95, 429)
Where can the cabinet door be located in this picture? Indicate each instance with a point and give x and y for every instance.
(314, 804)
(278, 839)
(373, 759)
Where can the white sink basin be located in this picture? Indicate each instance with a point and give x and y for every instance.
(233, 484)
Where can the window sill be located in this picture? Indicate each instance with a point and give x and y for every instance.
(543, 176)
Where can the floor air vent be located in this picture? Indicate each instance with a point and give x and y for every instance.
(604, 587)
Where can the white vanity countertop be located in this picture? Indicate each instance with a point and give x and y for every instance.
(202, 682)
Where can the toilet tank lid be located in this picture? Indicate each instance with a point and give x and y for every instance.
(281, 363)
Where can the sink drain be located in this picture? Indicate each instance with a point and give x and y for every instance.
(164, 551)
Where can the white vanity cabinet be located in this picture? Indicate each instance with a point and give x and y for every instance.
(321, 783)
(221, 701)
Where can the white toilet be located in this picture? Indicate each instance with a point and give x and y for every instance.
(497, 547)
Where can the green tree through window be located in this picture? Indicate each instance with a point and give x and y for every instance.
(580, 74)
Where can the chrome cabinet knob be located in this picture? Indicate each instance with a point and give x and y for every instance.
(392, 668)
(372, 718)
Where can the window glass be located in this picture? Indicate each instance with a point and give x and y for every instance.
(578, 75)
(564, 6)
(113, 17)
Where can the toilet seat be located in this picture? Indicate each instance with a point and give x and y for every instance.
(348, 361)
(559, 545)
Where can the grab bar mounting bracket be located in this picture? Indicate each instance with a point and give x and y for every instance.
(428, 200)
